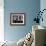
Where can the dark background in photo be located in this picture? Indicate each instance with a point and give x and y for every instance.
(17, 19)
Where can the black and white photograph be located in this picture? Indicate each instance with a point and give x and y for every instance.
(17, 18)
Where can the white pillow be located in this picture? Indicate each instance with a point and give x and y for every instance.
(21, 42)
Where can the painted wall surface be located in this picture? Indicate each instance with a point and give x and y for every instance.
(1, 20)
(29, 7)
(43, 6)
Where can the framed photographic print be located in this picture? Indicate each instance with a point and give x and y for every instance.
(17, 19)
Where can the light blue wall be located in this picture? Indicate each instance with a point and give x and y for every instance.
(29, 7)
(43, 6)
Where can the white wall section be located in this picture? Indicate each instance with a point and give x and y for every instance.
(1, 20)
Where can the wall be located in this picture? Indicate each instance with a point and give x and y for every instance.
(1, 21)
(43, 6)
(29, 7)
